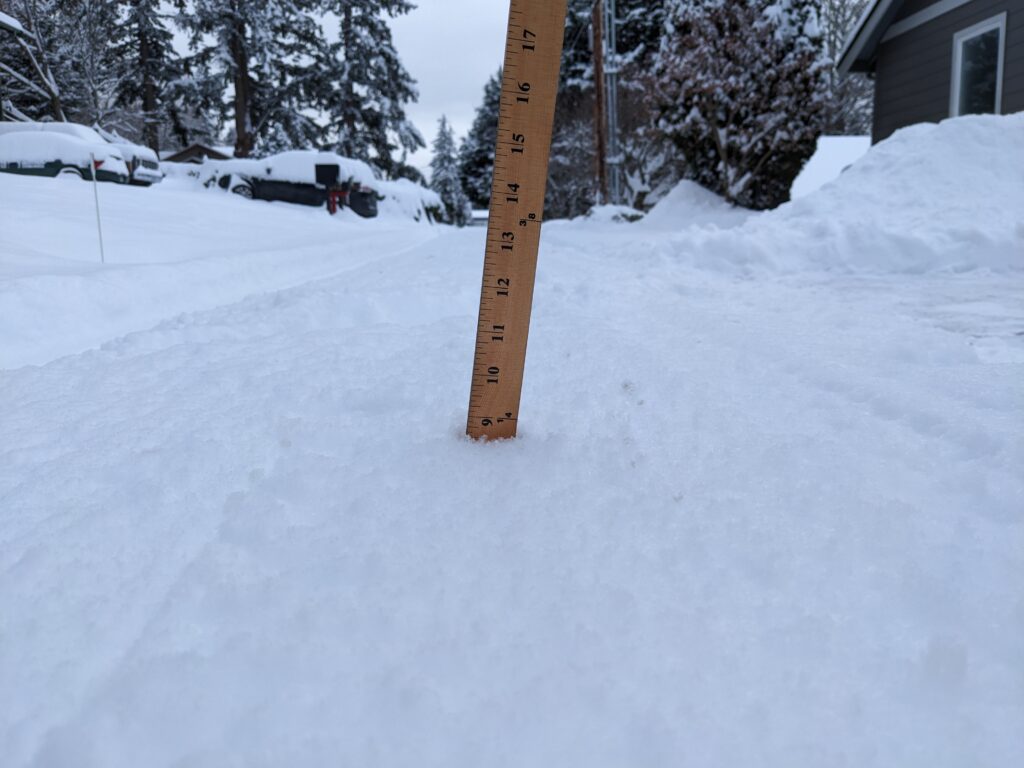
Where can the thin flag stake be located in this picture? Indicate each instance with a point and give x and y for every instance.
(96, 197)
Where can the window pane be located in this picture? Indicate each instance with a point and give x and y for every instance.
(979, 63)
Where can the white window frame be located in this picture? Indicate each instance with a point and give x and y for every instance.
(996, 22)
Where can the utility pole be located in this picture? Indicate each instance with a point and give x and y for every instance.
(606, 102)
(600, 113)
(611, 73)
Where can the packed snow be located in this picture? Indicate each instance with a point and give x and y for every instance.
(766, 507)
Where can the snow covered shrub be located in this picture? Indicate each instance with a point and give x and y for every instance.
(742, 92)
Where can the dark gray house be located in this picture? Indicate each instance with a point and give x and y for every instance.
(933, 59)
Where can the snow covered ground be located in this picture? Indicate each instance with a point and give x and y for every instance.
(767, 507)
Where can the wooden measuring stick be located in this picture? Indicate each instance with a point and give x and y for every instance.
(533, 56)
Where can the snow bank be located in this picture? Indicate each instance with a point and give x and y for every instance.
(933, 197)
(832, 156)
(689, 204)
(406, 199)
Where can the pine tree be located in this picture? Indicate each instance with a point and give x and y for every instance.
(476, 155)
(262, 50)
(365, 87)
(151, 66)
(742, 93)
(444, 175)
(88, 69)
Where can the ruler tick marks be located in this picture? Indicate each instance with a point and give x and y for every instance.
(533, 53)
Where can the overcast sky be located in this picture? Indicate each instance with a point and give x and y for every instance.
(451, 47)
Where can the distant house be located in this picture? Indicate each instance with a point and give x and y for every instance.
(933, 59)
(195, 153)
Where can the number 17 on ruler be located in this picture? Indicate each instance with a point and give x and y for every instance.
(533, 54)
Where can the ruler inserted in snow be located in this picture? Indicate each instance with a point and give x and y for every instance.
(533, 55)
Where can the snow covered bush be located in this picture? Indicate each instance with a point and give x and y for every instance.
(742, 93)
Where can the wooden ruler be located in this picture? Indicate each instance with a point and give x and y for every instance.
(533, 56)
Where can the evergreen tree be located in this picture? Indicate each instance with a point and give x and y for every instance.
(476, 155)
(742, 93)
(90, 74)
(151, 66)
(364, 87)
(263, 52)
(444, 175)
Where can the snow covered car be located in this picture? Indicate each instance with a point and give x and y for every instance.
(33, 153)
(143, 164)
(293, 177)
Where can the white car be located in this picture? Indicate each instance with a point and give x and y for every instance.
(36, 153)
(142, 161)
(143, 165)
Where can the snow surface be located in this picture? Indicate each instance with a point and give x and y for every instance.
(766, 509)
(832, 156)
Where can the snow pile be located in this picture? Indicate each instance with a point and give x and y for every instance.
(834, 154)
(945, 197)
(619, 214)
(406, 199)
(689, 204)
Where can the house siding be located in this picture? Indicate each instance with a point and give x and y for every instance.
(913, 71)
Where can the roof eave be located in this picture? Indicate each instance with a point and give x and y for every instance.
(859, 52)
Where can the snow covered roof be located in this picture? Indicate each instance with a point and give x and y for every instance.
(859, 53)
(11, 24)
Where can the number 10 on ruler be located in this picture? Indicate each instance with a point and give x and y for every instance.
(533, 54)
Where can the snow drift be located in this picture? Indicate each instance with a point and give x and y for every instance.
(933, 197)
